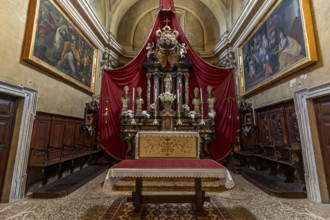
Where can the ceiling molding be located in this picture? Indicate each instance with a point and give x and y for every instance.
(84, 16)
(86, 7)
(221, 44)
(76, 16)
(241, 19)
(254, 22)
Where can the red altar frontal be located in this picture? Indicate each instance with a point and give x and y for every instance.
(187, 168)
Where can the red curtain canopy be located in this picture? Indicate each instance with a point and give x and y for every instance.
(202, 75)
(166, 5)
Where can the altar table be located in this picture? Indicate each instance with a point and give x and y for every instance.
(195, 169)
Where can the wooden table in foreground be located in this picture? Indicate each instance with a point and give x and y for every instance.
(196, 169)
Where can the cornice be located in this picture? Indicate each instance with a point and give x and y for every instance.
(238, 33)
(221, 44)
(72, 12)
(234, 31)
(92, 17)
(241, 19)
(254, 22)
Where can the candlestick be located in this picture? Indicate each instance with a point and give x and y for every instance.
(133, 122)
(179, 122)
(156, 99)
(155, 122)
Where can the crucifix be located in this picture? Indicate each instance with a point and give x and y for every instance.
(167, 21)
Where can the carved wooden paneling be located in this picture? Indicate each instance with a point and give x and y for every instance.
(51, 133)
(56, 138)
(68, 138)
(292, 124)
(40, 138)
(55, 148)
(278, 128)
(41, 132)
(57, 132)
(263, 123)
(277, 146)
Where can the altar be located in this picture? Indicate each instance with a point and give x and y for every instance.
(167, 144)
(168, 123)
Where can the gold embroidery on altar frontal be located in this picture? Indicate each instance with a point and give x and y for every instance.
(168, 147)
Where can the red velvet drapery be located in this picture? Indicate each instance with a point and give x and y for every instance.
(202, 74)
(166, 5)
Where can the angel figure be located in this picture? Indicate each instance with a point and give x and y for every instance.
(150, 51)
(182, 50)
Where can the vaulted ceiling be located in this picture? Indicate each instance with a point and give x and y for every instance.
(203, 21)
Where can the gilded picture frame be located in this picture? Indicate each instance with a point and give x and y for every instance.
(280, 45)
(55, 44)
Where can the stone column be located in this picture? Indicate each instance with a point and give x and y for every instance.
(179, 88)
(148, 89)
(156, 90)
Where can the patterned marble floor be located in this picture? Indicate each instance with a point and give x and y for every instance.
(91, 201)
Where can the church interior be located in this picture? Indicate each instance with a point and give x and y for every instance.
(165, 109)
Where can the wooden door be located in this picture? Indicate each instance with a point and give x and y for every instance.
(8, 107)
(322, 112)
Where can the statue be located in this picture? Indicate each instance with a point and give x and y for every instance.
(125, 101)
(196, 102)
(150, 51)
(168, 82)
(139, 101)
(182, 50)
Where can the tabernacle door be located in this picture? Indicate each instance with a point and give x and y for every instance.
(167, 144)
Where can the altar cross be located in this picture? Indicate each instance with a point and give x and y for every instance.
(167, 21)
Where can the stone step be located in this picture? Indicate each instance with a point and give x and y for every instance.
(170, 184)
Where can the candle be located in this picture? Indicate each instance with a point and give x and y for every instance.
(178, 99)
(133, 99)
(201, 100)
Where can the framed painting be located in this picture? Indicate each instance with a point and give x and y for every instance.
(283, 43)
(55, 44)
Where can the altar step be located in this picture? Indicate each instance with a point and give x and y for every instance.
(170, 184)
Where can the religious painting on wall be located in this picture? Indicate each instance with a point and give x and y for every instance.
(282, 44)
(56, 45)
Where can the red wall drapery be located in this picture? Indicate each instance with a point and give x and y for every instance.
(202, 74)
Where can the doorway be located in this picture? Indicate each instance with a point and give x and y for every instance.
(8, 108)
(322, 113)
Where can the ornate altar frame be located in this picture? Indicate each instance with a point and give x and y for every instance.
(167, 102)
